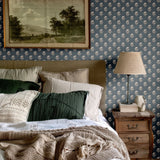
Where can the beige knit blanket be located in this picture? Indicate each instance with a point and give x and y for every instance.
(82, 143)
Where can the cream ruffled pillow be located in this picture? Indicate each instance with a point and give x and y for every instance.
(15, 107)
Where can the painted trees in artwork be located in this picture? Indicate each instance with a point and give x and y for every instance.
(71, 24)
(15, 27)
(56, 26)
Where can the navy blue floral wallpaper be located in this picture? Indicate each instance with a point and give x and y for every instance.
(115, 26)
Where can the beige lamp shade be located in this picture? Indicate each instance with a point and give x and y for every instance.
(130, 63)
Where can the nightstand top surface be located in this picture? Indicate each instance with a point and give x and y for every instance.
(145, 114)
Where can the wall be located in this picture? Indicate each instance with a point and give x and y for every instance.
(116, 25)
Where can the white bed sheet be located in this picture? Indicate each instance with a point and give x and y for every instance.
(52, 125)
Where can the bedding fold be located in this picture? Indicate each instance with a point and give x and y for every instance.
(81, 143)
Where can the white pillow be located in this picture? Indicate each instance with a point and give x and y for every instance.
(27, 74)
(93, 98)
(15, 107)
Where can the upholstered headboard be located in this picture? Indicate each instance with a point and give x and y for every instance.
(97, 70)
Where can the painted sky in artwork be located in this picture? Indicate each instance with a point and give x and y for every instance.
(34, 12)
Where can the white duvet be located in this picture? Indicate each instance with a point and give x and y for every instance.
(51, 125)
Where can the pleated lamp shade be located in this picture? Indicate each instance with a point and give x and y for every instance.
(130, 63)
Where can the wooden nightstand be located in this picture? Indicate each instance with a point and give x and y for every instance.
(135, 129)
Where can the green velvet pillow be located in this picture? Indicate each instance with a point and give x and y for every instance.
(14, 86)
(58, 106)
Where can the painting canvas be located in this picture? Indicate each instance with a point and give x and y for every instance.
(46, 23)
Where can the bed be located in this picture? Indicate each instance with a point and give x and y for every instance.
(55, 110)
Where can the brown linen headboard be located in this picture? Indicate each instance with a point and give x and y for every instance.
(97, 70)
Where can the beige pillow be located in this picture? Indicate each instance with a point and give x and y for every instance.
(15, 107)
(93, 98)
(27, 74)
(79, 75)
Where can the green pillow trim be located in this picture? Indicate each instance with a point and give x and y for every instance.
(14, 86)
(58, 106)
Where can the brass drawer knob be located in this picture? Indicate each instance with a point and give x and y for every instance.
(132, 127)
(133, 152)
(132, 139)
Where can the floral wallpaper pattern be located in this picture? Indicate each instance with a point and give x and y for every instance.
(115, 26)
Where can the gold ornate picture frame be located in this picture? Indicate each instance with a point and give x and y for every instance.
(46, 24)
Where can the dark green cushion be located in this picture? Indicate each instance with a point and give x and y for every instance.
(58, 106)
(14, 86)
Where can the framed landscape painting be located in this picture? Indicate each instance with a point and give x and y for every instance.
(46, 23)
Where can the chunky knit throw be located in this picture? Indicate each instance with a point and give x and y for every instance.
(82, 143)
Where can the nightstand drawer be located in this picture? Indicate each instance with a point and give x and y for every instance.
(138, 151)
(133, 125)
(135, 138)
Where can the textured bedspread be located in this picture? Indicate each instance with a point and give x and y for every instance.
(81, 143)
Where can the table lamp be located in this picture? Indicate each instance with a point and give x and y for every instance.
(129, 63)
